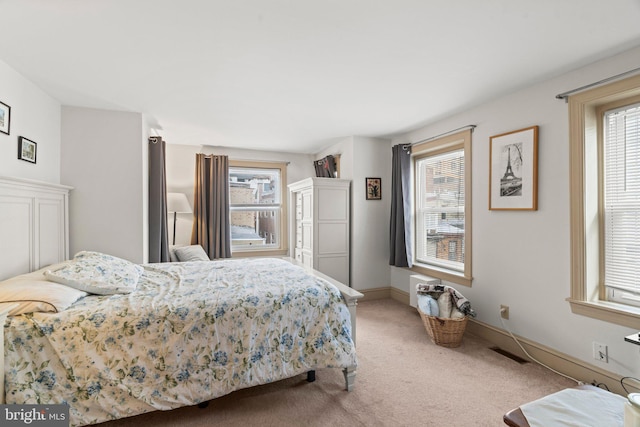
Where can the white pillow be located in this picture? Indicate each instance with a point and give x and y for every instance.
(191, 253)
(97, 273)
(445, 304)
(33, 293)
(172, 253)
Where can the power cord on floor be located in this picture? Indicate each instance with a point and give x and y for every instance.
(531, 357)
(627, 378)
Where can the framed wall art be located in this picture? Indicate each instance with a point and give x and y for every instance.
(374, 188)
(5, 118)
(513, 170)
(27, 149)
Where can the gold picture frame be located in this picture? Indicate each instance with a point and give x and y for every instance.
(513, 170)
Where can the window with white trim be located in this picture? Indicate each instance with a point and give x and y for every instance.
(604, 191)
(621, 204)
(442, 207)
(257, 213)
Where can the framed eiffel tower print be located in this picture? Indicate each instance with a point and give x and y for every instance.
(513, 170)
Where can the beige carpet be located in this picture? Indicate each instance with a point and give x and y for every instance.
(403, 380)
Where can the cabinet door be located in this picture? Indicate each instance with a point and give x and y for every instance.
(307, 259)
(51, 224)
(307, 205)
(16, 220)
(307, 236)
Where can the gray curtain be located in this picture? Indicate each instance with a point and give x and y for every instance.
(400, 230)
(158, 235)
(211, 228)
(325, 167)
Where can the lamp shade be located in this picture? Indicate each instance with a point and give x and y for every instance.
(178, 203)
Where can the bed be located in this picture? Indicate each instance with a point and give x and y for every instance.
(183, 334)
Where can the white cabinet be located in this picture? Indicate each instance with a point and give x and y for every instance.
(320, 225)
(34, 217)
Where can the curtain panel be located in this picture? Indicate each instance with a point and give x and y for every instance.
(211, 228)
(400, 228)
(158, 235)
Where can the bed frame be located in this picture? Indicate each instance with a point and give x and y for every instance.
(351, 297)
(34, 224)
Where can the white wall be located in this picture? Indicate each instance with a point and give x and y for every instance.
(35, 116)
(370, 218)
(362, 157)
(103, 158)
(522, 259)
(180, 164)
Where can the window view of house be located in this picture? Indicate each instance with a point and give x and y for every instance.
(255, 208)
(440, 207)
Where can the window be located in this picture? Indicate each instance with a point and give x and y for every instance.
(605, 194)
(442, 207)
(257, 208)
(621, 207)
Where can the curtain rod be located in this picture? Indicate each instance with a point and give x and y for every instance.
(254, 160)
(565, 95)
(472, 127)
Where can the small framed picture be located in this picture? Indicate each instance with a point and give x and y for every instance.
(27, 149)
(374, 188)
(5, 118)
(513, 170)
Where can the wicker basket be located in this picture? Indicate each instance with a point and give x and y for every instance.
(445, 332)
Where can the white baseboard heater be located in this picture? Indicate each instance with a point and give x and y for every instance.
(414, 280)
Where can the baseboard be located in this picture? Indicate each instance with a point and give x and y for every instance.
(554, 359)
(384, 293)
(398, 295)
(375, 293)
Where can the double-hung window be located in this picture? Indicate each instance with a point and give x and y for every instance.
(442, 207)
(605, 202)
(621, 203)
(257, 208)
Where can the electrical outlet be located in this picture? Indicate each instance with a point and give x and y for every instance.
(600, 352)
(504, 311)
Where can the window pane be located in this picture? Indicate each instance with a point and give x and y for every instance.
(255, 228)
(249, 186)
(440, 210)
(255, 210)
(622, 203)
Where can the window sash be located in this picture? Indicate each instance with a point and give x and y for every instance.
(621, 204)
(440, 209)
(256, 220)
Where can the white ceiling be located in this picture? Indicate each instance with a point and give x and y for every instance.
(294, 75)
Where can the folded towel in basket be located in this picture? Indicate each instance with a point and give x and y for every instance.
(458, 299)
(428, 305)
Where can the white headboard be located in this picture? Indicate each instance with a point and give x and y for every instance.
(34, 225)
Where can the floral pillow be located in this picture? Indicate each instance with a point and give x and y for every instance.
(97, 273)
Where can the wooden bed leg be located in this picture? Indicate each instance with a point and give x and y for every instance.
(349, 377)
(311, 376)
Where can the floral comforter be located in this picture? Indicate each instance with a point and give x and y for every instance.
(190, 332)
